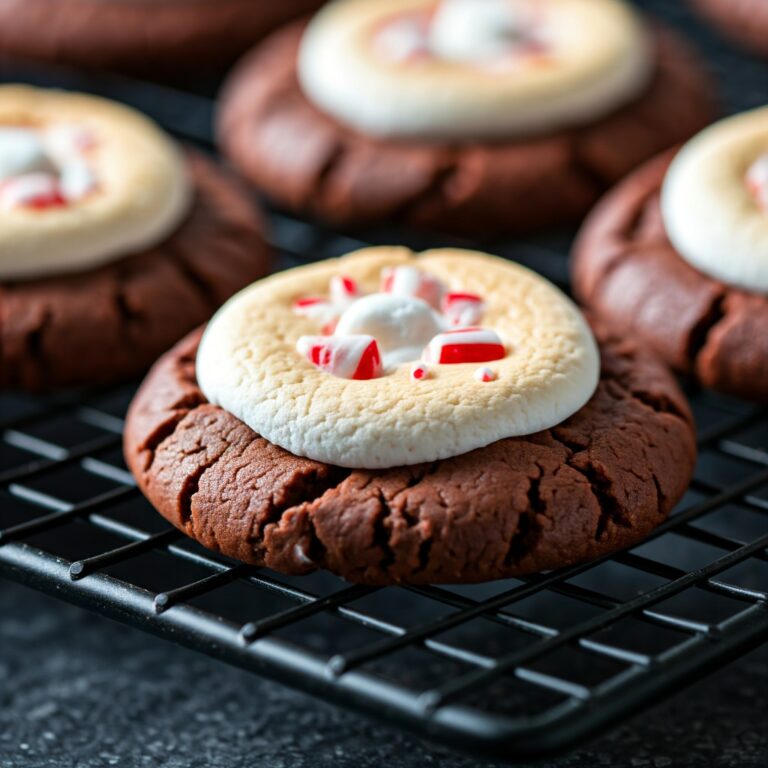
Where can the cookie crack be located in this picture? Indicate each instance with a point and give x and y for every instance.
(600, 486)
(434, 194)
(658, 403)
(704, 327)
(611, 512)
(329, 165)
(381, 536)
(528, 532)
(190, 488)
(310, 488)
(200, 285)
(128, 314)
(181, 408)
(34, 343)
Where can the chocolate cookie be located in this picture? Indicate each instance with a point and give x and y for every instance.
(744, 21)
(141, 35)
(311, 163)
(599, 481)
(111, 323)
(626, 270)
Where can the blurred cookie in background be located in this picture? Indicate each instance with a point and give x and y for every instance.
(114, 243)
(677, 256)
(743, 21)
(476, 117)
(141, 36)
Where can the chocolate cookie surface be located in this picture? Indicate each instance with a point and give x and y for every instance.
(599, 481)
(141, 35)
(310, 163)
(744, 21)
(627, 272)
(109, 324)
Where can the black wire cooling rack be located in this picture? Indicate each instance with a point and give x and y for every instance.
(514, 668)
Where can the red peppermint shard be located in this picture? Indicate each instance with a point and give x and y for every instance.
(309, 305)
(462, 309)
(344, 290)
(485, 375)
(468, 345)
(757, 181)
(348, 357)
(31, 190)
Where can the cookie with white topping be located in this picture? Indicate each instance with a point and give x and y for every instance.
(522, 442)
(468, 116)
(114, 243)
(148, 37)
(678, 255)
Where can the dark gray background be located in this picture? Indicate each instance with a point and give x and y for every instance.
(78, 690)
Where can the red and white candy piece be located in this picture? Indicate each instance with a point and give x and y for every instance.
(31, 190)
(468, 345)
(485, 375)
(344, 291)
(314, 307)
(462, 309)
(757, 181)
(420, 372)
(348, 357)
(409, 281)
(318, 309)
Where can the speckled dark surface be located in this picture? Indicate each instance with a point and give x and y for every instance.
(78, 690)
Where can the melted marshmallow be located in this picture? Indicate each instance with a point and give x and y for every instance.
(43, 167)
(21, 152)
(83, 182)
(402, 325)
(248, 365)
(477, 31)
(473, 69)
(712, 201)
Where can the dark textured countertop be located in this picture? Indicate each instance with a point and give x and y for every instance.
(76, 685)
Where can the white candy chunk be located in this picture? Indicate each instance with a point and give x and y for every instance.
(409, 281)
(21, 151)
(401, 40)
(64, 142)
(484, 375)
(757, 181)
(402, 325)
(76, 180)
(28, 189)
(348, 357)
(476, 30)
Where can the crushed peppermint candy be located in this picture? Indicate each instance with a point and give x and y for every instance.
(365, 334)
(420, 372)
(485, 375)
(348, 357)
(344, 291)
(757, 181)
(44, 168)
(462, 309)
(409, 281)
(489, 34)
(468, 345)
